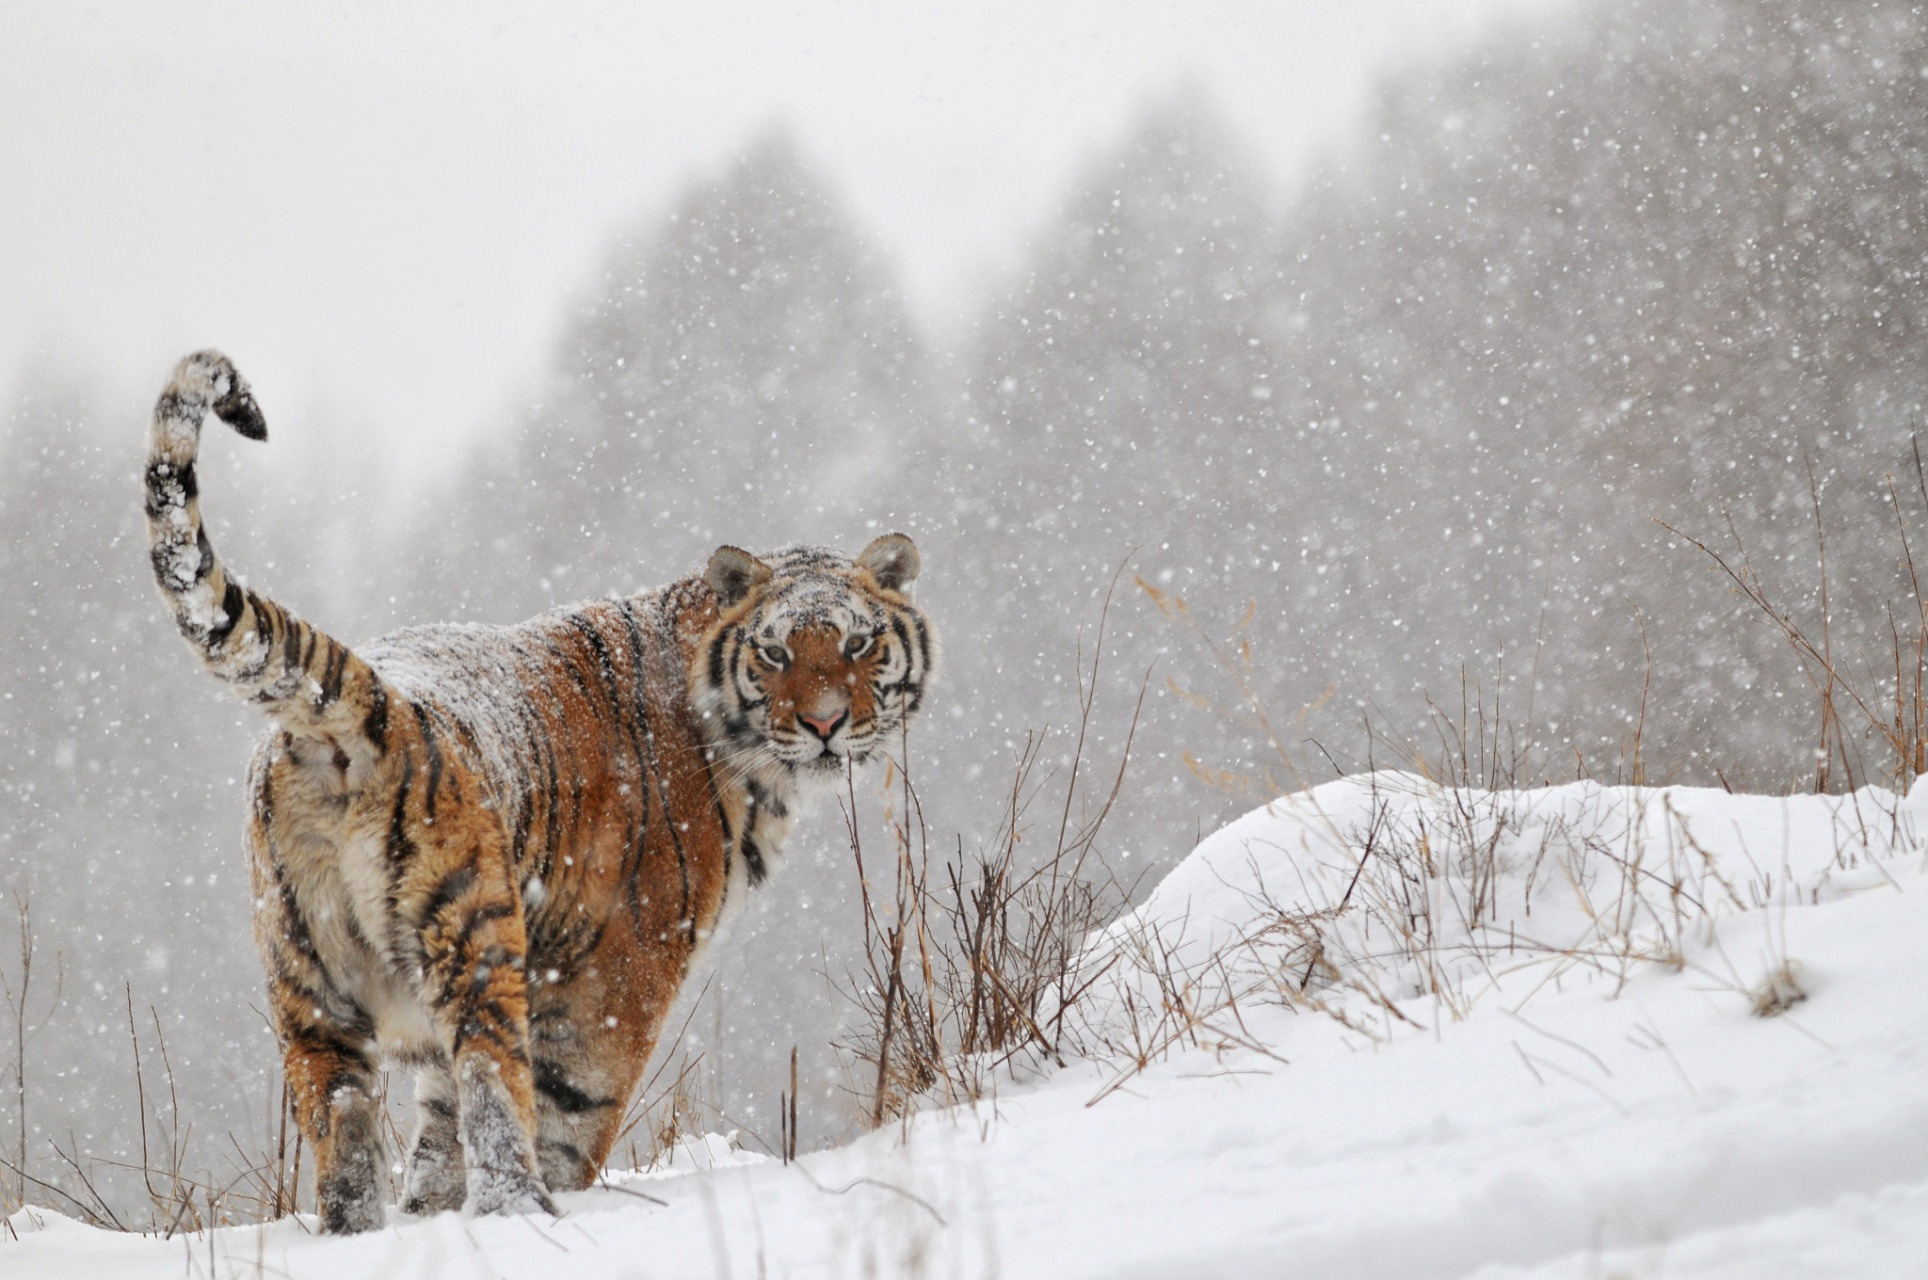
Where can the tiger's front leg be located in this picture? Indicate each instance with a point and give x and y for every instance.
(473, 978)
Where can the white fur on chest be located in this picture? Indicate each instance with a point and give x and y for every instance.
(771, 833)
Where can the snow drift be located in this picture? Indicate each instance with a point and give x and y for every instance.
(1378, 1028)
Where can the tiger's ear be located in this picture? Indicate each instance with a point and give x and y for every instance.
(892, 560)
(732, 573)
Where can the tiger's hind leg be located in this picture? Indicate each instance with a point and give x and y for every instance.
(473, 949)
(435, 1178)
(325, 1041)
(337, 1107)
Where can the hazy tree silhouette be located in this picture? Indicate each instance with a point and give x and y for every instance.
(742, 371)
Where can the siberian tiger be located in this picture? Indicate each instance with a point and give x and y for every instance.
(492, 853)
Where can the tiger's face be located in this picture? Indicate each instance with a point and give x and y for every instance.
(818, 661)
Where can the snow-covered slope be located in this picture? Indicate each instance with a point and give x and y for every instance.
(1555, 1067)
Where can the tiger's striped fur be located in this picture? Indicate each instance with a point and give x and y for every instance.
(493, 853)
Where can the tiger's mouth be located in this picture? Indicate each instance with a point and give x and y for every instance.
(832, 757)
(819, 758)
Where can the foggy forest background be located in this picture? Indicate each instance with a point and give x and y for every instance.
(1653, 261)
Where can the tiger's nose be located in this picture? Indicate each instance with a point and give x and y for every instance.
(824, 726)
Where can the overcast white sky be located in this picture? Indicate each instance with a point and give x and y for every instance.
(384, 207)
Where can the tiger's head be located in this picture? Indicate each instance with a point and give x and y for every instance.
(816, 660)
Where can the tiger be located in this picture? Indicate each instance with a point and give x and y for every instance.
(492, 854)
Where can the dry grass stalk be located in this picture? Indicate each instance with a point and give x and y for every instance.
(787, 1113)
(672, 1103)
(17, 990)
(255, 1186)
(972, 968)
(1897, 717)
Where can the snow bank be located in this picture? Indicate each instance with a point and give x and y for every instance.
(1365, 893)
(1378, 1029)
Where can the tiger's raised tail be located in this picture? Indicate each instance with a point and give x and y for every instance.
(309, 681)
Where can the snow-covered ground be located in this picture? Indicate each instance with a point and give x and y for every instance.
(1393, 1031)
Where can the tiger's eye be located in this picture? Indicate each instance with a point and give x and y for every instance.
(858, 645)
(774, 655)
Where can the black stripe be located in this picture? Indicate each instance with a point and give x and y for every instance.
(447, 890)
(765, 801)
(206, 565)
(400, 848)
(910, 682)
(553, 1085)
(291, 983)
(264, 615)
(485, 914)
(716, 657)
(291, 642)
(269, 621)
(567, 661)
(923, 640)
(563, 942)
(473, 1027)
(294, 927)
(331, 673)
(375, 724)
(898, 629)
(314, 1035)
(729, 844)
(576, 780)
(309, 642)
(434, 751)
(589, 633)
(233, 602)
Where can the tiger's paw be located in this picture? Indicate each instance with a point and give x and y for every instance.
(435, 1180)
(496, 1147)
(518, 1195)
(426, 1201)
(347, 1217)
